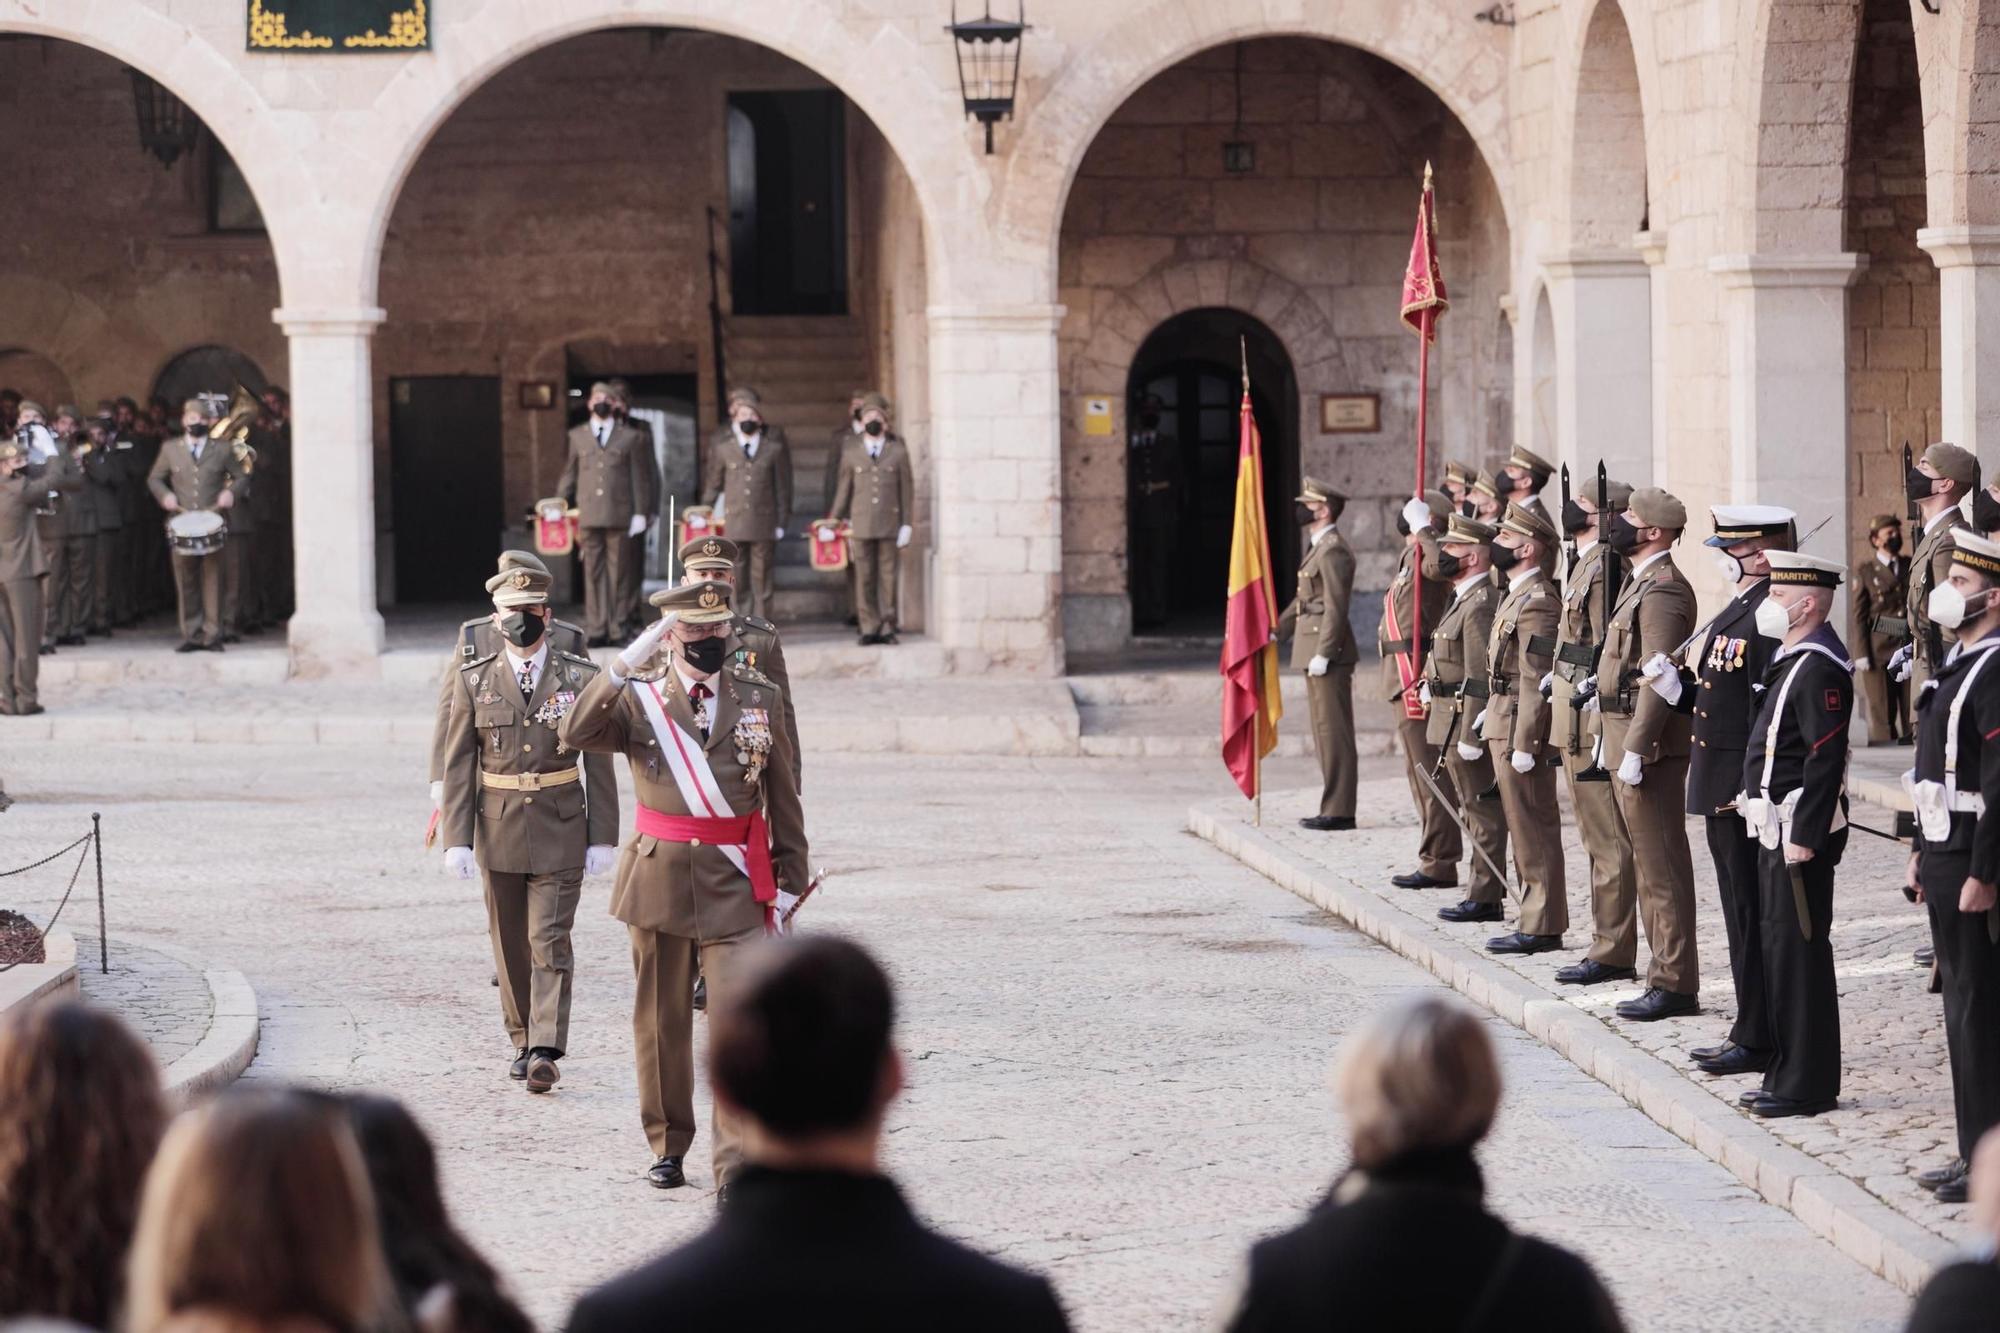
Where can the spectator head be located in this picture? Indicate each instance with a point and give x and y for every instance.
(80, 1118)
(1420, 1076)
(803, 1047)
(258, 1207)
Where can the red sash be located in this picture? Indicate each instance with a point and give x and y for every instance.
(1413, 703)
(745, 831)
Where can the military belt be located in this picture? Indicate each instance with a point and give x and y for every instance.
(1894, 627)
(1500, 685)
(1390, 646)
(1473, 689)
(529, 781)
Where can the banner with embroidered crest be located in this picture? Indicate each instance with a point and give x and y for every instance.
(828, 542)
(699, 521)
(555, 526)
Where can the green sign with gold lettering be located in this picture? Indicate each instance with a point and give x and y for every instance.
(338, 27)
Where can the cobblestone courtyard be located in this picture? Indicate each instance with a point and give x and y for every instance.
(1118, 1037)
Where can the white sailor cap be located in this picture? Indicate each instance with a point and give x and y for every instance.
(1741, 523)
(1796, 568)
(1976, 551)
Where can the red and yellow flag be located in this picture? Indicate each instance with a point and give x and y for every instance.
(1250, 704)
(1423, 280)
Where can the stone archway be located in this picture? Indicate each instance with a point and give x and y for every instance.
(36, 377)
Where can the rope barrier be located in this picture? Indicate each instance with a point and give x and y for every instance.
(89, 841)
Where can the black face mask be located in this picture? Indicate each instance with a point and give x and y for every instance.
(752, 426)
(1917, 485)
(1301, 513)
(600, 410)
(197, 430)
(1622, 537)
(1448, 565)
(521, 629)
(1576, 518)
(1402, 526)
(705, 655)
(1893, 544)
(1468, 509)
(1503, 558)
(875, 428)
(1985, 510)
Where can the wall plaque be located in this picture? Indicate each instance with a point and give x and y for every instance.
(338, 27)
(1350, 413)
(1097, 416)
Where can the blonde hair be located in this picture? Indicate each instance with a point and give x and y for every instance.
(1419, 1075)
(258, 1205)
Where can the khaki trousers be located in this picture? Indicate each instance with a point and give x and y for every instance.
(757, 578)
(1886, 701)
(1438, 852)
(632, 573)
(1663, 871)
(529, 919)
(665, 967)
(53, 583)
(1614, 924)
(1534, 822)
(20, 642)
(72, 614)
(107, 598)
(198, 579)
(1483, 816)
(1330, 703)
(875, 584)
(605, 552)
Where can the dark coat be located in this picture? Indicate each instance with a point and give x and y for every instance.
(1960, 1298)
(1724, 689)
(1411, 1246)
(1816, 685)
(826, 1251)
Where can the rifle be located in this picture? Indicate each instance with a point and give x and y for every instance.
(1597, 772)
(1568, 542)
(1911, 514)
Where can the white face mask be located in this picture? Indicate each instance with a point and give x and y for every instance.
(1731, 567)
(1948, 606)
(1773, 620)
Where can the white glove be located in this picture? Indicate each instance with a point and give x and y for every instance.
(1479, 720)
(1862, 664)
(781, 905)
(1899, 663)
(1587, 687)
(1424, 693)
(1417, 513)
(1633, 770)
(1548, 684)
(696, 522)
(641, 649)
(1316, 667)
(597, 860)
(437, 796)
(1656, 666)
(1469, 753)
(1659, 673)
(903, 535)
(458, 862)
(638, 525)
(1590, 702)
(780, 536)
(1522, 761)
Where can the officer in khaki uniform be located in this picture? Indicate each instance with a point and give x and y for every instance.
(1423, 567)
(1456, 687)
(876, 496)
(1520, 651)
(194, 472)
(519, 806)
(1520, 478)
(1323, 647)
(1647, 743)
(1483, 492)
(1937, 483)
(1576, 727)
(748, 474)
(22, 569)
(611, 479)
(1878, 625)
(1458, 479)
(695, 885)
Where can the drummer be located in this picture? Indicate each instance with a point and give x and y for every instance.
(192, 476)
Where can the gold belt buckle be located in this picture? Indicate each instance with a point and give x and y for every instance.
(529, 781)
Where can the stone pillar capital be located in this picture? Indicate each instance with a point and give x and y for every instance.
(1960, 247)
(1651, 245)
(329, 321)
(1768, 271)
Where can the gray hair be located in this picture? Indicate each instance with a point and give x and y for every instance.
(1418, 1075)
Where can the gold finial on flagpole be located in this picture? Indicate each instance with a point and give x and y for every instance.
(1427, 176)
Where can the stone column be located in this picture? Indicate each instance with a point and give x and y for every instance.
(1652, 249)
(1601, 301)
(1968, 260)
(336, 629)
(997, 469)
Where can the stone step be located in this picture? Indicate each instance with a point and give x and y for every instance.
(1164, 731)
(1171, 688)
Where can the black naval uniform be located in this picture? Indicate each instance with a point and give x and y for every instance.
(1721, 689)
(1809, 691)
(1967, 953)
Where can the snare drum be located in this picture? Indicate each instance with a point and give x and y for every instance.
(196, 532)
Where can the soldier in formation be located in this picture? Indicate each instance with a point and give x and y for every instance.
(1454, 693)
(748, 482)
(876, 498)
(1323, 647)
(612, 479)
(1880, 626)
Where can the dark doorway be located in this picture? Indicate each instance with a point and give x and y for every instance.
(444, 458)
(1181, 500)
(207, 370)
(787, 203)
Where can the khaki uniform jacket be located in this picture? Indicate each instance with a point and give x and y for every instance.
(481, 638)
(493, 729)
(759, 489)
(1458, 668)
(196, 485)
(80, 506)
(607, 484)
(1928, 569)
(1316, 620)
(875, 495)
(1402, 589)
(1654, 614)
(21, 554)
(1517, 718)
(836, 463)
(1876, 594)
(1581, 626)
(678, 888)
(754, 643)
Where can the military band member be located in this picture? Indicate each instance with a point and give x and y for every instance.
(877, 499)
(1648, 743)
(1938, 483)
(1879, 626)
(1575, 730)
(1423, 569)
(720, 835)
(1519, 652)
(611, 479)
(1323, 647)
(535, 821)
(1456, 689)
(1955, 864)
(70, 612)
(748, 480)
(22, 569)
(193, 472)
(106, 480)
(241, 604)
(843, 435)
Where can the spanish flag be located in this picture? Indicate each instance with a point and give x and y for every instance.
(1250, 704)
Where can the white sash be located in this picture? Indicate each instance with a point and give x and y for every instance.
(688, 762)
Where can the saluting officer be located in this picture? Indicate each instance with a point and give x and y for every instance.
(611, 479)
(1519, 652)
(1880, 625)
(519, 806)
(1455, 689)
(1649, 742)
(1575, 730)
(1323, 647)
(877, 497)
(23, 566)
(748, 478)
(753, 641)
(1423, 569)
(720, 836)
(1938, 482)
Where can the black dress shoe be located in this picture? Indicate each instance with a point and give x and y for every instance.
(542, 1071)
(1518, 942)
(1736, 1060)
(1925, 956)
(1938, 1175)
(1327, 823)
(519, 1069)
(889, 639)
(1748, 1095)
(1952, 1191)
(1656, 1004)
(1700, 1053)
(701, 993)
(190, 646)
(1417, 879)
(215, 647)
(665, 1174)
(28, 710)
(1470, 911)
(1590, 972)
(232, 637)
(1780, 1108)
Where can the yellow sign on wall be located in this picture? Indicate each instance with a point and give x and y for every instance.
(1097, 416)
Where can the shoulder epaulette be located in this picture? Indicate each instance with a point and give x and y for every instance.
(580, 659)
(465, 636)
(743, 671)
(478, 662)
(564, 624)
(759, 623)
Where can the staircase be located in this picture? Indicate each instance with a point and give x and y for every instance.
(805, 366)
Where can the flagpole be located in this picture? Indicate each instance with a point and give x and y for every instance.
(1257, 750)
(1424, 334)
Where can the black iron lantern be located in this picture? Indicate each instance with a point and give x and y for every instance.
(989, 63)
(166, 127)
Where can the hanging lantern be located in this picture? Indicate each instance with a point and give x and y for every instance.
(166, 127)
(989, 63)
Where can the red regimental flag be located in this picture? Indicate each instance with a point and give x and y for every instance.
(1423, 281)
(1250, 704)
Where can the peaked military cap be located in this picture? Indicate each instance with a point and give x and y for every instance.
(1881, 521)
(874, 400)
(704, 603)
(1953, 463)
(1485, 484)
(1742, 523)
(1975, 551)
(1799, 569)
(1314, 491)
(1527, 523)
(1531, 462)
(520, 587)
(708, 553)
(1457, 473)
(1440, 504)
(1652, 507)
(513, 560)
(743, 393)
(1463, 531)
